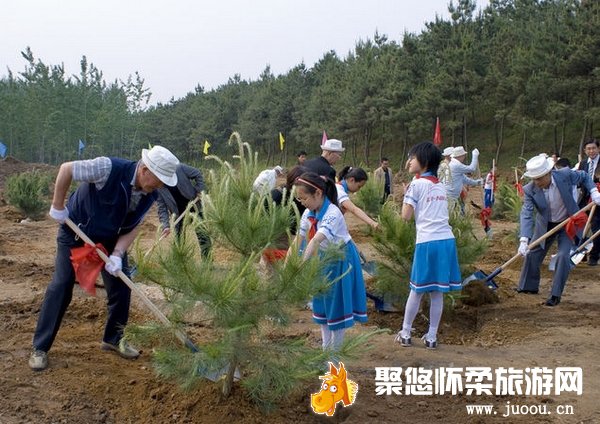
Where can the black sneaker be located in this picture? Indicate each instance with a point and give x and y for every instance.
(552, 301)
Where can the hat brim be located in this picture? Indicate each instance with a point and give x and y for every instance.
(170, 181)
(538, 174)
(329, 149)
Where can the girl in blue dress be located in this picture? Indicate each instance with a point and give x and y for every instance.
(435, 267)
(322, 224)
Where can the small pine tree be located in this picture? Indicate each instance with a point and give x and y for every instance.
(369, 197)
(245, 308)
(28, 192)
(508, 203)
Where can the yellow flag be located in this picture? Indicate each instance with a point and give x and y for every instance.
(281, 141)
(206, 146)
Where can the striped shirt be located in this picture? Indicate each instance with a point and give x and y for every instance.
(96, 171)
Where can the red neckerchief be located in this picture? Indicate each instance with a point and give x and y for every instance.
(313, 227)
(429, 177)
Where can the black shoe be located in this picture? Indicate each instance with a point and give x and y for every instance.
(592, 262)
(552, 301)
(518, 290)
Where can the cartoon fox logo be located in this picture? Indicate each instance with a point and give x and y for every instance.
(335, 388)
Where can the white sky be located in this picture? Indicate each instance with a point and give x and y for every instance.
(178, 44)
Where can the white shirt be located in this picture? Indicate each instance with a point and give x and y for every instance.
(431, 210)
(458, 177)
(265, 182)
(558, 210)
(489, 181)
(342, 194)
(332, 226)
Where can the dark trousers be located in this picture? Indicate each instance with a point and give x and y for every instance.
(60, 292)
(530, 274)
(203, 238)
(594, 254)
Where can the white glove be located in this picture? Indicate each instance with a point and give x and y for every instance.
(475, 152)
(523, 250)
(479, 181)
(595, 196)
(114, 265)
(61, 215)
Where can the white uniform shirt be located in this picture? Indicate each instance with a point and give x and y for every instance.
(342, 194)
(489, 181)
(431, 210)
(332, 225)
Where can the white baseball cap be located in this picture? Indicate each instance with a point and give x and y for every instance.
(162, 163)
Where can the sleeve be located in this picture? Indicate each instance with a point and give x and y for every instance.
(412, 193)
(94, 171)
(469, 181)
(465, 169)
(527, 213)
(163, 211)
(330, 222)
(341, 194)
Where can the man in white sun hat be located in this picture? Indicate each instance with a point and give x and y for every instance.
(458, 177)
(549, 201)
(323, 165)
(109, 204)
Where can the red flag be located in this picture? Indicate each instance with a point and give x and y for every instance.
(324, 138)
(576, 223)
(484, 216)
(437, 135)
(87, 265)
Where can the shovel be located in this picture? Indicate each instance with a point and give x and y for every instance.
(370, 268)
(578, 254)
(489, 279)
(212, 376)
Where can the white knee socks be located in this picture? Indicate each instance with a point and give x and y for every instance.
(435, 313)
(332, 339)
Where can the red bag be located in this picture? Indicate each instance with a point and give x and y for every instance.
(87, 265)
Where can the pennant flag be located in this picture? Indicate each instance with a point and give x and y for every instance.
(281, 141)
(437, 135)
(206, 146)
(87, 264)
(3, 149)
(81, 146)
(324, 138)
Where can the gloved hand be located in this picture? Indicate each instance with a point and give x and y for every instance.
(114, 265)
(475, 152)
(479, 181)
(523, 249)
(61, 215)
(595, 196)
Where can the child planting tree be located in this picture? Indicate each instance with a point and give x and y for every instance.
(435, 267)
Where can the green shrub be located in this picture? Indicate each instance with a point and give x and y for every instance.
(28, 192)
(369, 197)
(508, 203)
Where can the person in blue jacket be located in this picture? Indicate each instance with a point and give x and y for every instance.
(109, 204)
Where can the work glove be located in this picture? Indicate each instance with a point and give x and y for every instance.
(114, 265)
(61, 215)
(475, 152)
(479, 181)
(523, 249)
(595, 196)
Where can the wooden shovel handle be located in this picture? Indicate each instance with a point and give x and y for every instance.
(545, 236)
(589, 220)
(157, 312)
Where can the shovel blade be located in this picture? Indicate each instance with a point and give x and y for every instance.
(479, 275)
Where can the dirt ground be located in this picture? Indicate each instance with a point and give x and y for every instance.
(86, 385)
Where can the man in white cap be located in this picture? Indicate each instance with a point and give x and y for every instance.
(266, 180)
(323, 165)
(109, 204)
(458, 177)
(444, 174)
(550, 194)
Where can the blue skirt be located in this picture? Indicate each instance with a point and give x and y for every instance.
(435, 267)
(346, 300)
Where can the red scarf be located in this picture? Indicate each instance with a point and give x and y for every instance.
(313, 227)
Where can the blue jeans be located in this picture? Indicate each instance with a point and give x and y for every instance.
(60, 292)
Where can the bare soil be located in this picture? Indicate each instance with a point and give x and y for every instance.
(86, 385)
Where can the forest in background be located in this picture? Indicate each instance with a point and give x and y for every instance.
(514, 79)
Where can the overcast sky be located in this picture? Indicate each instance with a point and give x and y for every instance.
(178, 44)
